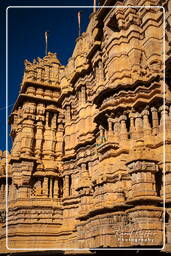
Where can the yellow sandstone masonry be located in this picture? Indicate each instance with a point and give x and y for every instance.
(86, 166)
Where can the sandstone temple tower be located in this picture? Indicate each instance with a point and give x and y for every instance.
(90, 164)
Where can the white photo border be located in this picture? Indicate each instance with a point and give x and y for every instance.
(164, 136)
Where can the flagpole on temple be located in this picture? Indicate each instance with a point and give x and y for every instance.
(79, 23)
(94, 5)
(46, 43)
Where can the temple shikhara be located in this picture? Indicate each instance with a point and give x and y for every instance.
(90, 164)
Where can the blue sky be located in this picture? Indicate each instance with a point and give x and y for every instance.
(26, 29)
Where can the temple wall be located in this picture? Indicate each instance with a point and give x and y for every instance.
(87, 165)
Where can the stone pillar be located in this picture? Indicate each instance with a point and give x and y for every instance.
(164, 118)
(59, 139)
(132, 125)
(116, 128)
(138, 125)
(155, 121)
(123, 128)
(56, 188)
(47, 120)
(45, 186)
(66, 186)
(54, 120)
(27, 130)
(49, 138)
(39, 135)
(146, 124)
(110, 131)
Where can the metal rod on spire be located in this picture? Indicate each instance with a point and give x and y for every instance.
(46, 43)
(79, 23)
(94, 5)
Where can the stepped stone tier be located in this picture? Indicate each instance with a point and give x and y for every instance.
(92, 139)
